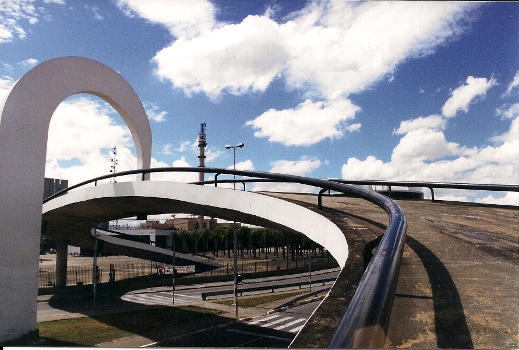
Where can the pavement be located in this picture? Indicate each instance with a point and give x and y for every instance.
(47, 313)
(458, 279)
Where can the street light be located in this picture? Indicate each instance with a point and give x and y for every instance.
(240, 145)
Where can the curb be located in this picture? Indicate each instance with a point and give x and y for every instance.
(300, 300)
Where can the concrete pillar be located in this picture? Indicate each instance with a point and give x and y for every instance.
(61, 263)
(24, 124)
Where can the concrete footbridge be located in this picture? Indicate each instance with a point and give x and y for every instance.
(451, 284)
(71, 216)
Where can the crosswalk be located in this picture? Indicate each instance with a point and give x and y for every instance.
(279, 322)
(160, 298)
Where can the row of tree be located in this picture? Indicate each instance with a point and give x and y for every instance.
(252, 242)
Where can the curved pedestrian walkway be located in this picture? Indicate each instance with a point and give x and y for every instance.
(458, 279)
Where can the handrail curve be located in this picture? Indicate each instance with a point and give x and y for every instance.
(367, 316)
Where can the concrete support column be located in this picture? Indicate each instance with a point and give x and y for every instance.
(61, 263)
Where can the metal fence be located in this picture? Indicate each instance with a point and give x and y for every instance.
(82, 274)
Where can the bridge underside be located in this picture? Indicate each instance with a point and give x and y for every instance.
(70, 217)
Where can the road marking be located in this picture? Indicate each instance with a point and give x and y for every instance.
(295, 330)
(263, 319)
(290, 324)
(258, 334)
(276, 321)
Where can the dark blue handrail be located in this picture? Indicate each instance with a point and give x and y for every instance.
(369, 311)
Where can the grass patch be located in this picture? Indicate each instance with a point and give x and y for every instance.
(251, 301)
(90, 331)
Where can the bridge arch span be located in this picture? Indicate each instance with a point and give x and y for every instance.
(24, 121)
(91, 205)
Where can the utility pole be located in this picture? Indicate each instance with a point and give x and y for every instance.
(94, 267)
(202, 142)
(240, 145)
(174, 267)
(115, 162)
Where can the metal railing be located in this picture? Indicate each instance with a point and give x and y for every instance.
(367, 317)
(389, 184)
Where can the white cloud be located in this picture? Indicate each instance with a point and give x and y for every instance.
(154, 112)
(15, 14)
(508, 112)
(462, 96)
(431, 122)
(425, 155)
(166, 149)
(300, 167)
(353, 127)
(308, 123)
(94, 10)
(183, 18)
(337, 47)
(81, 134)
(297, 167)
(514, 83)
(183, 146)
(212, 154)
(238, 58)
(510, 198)
(173, 176)
(6, 83)
(29, 62)
(245, 165)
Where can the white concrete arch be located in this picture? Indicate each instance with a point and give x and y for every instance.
(24, 121)
(95, 204)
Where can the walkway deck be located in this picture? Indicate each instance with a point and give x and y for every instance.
(459, 278)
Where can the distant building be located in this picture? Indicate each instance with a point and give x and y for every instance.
(183, 224)
(51, 186)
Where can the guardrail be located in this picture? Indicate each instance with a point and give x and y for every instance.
(272, 288)
(430, 185)
(367, 317)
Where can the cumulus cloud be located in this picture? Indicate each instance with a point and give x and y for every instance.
(462, 96)
(514, 83)
(183, 146)
(6, 83)
(300, 167)
(508, 111)
(245, 165)
(29, 62)
(14, 15)
(431, 122)
(183, 18)
(81, 135)
(338, 47)
(239, 58)
(308, 123)
(425, 155)
(154, 112)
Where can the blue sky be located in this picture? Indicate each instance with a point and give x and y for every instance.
(378, 90)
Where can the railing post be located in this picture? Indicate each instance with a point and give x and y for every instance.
(320, 198)
(432, 193)
(216, 179)
(243, 182)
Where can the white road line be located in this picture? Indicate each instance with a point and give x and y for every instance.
(290, 324)
(189, 296)
(276, 321)
(295, 330)
(263, 319)
(258, 334)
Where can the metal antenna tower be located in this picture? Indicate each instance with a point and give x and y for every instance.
(114, 161)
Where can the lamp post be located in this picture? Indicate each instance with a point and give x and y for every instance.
(240, 145)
